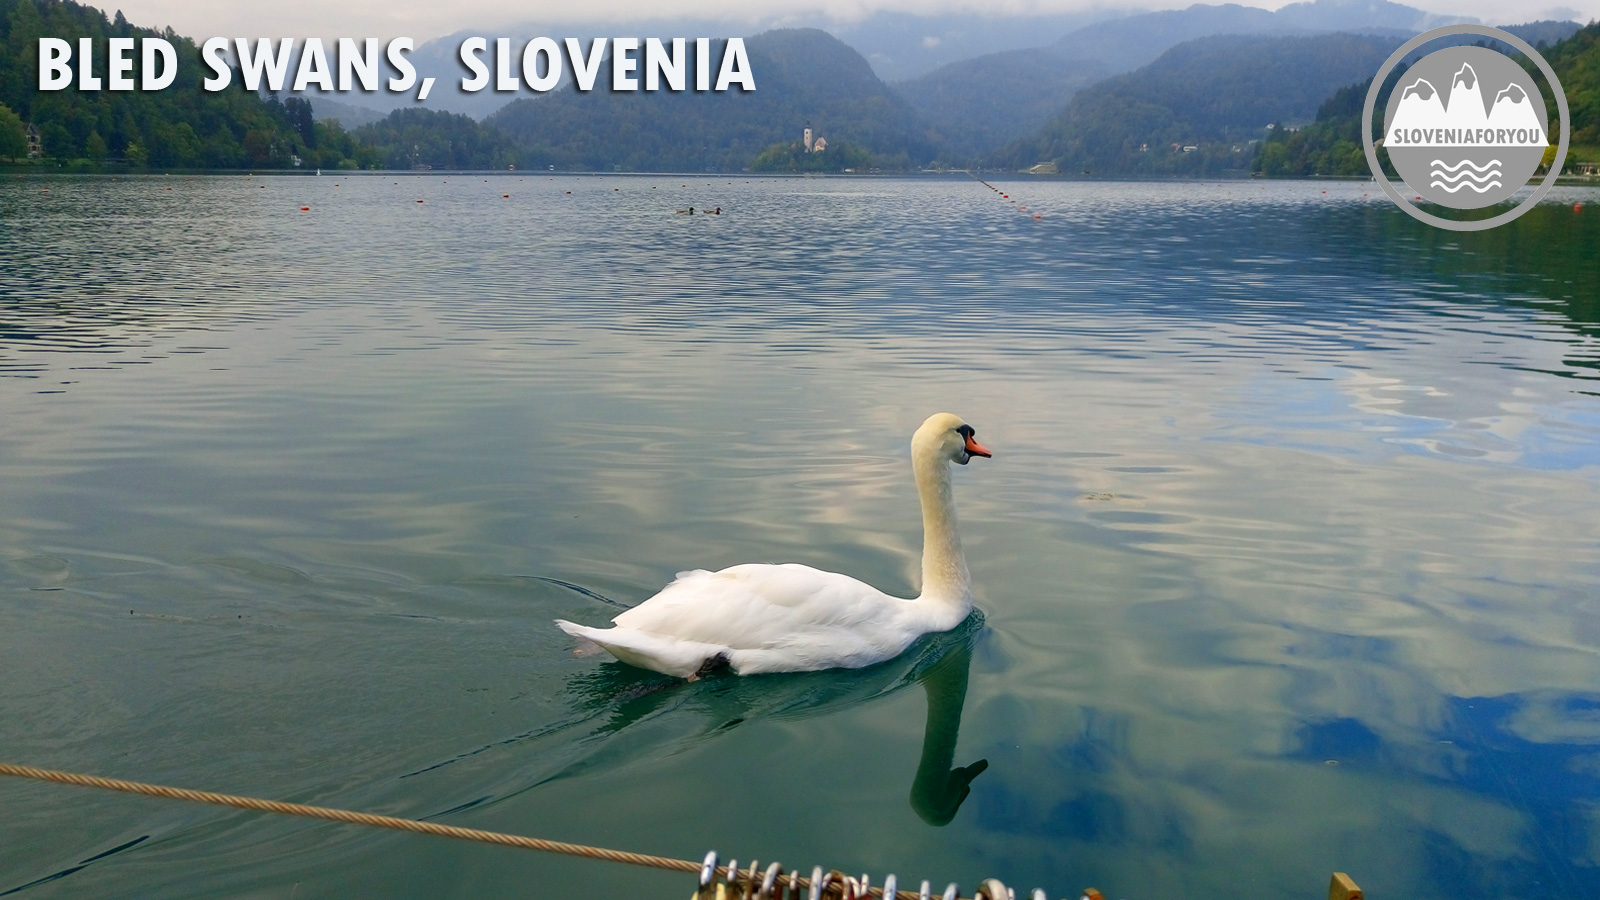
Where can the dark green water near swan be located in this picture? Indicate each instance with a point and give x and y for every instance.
(1287, 558)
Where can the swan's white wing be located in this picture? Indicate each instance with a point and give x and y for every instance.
(775, 607)
(663, 654)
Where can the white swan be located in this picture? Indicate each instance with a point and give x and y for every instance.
(793, 618)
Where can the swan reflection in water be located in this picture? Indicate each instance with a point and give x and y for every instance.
(624, 714)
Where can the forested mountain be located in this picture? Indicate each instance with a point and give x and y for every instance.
(980, 105)
(179, 126)
(1333, 145)
(1329, 146)
(977, 106)
(803, 77)
(1213, 95)
(185, 126)
(1577, 63)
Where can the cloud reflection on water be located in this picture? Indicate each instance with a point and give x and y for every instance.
(1281, 481)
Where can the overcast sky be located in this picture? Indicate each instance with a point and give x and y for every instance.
(426, 19)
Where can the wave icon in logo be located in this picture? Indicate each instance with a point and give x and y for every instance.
(1466, 174)
(1453, 146)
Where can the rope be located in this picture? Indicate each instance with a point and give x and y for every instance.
(358, 818)
(354, 818)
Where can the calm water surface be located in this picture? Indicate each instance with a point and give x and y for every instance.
(1286, 560)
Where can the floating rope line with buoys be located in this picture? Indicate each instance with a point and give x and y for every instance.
(1003, 195)
(716, 882)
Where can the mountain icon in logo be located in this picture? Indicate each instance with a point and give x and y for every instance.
(1425, 119)
(1513, 109)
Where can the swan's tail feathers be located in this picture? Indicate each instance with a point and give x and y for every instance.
(669, 656)
(585, 648)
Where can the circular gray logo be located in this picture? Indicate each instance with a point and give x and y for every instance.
(1466, 127)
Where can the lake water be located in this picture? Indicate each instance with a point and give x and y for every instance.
(1286, 559)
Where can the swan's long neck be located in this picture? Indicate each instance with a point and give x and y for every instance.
(946, 586)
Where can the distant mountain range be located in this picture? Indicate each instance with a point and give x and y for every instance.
(903, 47)
(970, 103)
(896, 45)
(1217, 93)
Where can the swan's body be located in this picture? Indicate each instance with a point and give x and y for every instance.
(793, 618)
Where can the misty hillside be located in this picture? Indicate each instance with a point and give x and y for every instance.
(979, 105)
(1544, 33)
(1124, 44)
(1215, 94)
(903, 46)
(350, 115)
(803, 77)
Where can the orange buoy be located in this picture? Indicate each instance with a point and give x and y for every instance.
(304, 208)
(419, 201)
(1577, 207)
(505, 195)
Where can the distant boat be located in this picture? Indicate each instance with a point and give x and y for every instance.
(319, 173)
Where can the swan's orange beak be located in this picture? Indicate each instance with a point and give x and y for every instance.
(977, 449)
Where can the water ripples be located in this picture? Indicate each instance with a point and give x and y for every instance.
(1282, 477)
